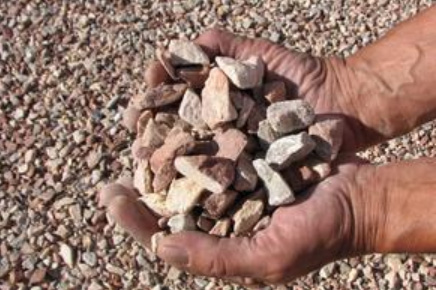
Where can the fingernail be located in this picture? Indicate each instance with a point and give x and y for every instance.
(174, 255)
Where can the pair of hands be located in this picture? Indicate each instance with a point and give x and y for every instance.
(321, 227)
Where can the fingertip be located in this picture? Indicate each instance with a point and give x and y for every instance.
(216, 42)
(110, 191)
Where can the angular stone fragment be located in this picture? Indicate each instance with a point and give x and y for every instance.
(142, 122)
(262, 224)
(178, 142)
(221, 227)
(275, 91)
(279, 193)
(155, 238)
(156, 202)
(266, 134)
(205, 224)
(288, 149)
(246, 176)
(164, 58)
(142, 177)
(247, 216)
(130, 117)
(168, 118)
(244, 104)
(159, 96)
(190, 109)
(216, 204)
(195, 77)
(185, 52)
(306, 173)
(212, 173)
(217, 107)
(244, 74)
(231, 143)
(140, 152)
(289, 116)
(183, 195)
(257, 114)
(181, 222)
(154, 134)
(328, 133)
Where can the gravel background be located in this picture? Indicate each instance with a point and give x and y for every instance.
(68, 68)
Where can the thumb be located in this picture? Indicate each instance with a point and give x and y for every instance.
(209, 255)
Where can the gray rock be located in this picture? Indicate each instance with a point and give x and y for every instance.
(290, 116)
(190, 109)
(245, 74)
(186, 53)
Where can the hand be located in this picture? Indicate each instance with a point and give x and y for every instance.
(320, 228)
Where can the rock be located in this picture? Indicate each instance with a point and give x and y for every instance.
(216, 204)
(278, 190)
(159, 96)
(221, 227)
(290, 116)
(156, 202)
(327, 133)
(168, 118)
(156, 74)
(217, 107)
(38, 276)
(67, 254)
(245, 74)
(185, 53)
(140, 152)
(257, 114)
(327, 270)
(142, 178)
(274, 91)
(282, 152)
(154, 135)
(190, 109)
(245, 176)
(244, 104)
(183, 195)
(178, 142)
(212, 173)
(155, 239)
(142, 122)
(79, 136)
(164, 58)
(130, 117)
(247, 216)
(266, 134)
(205, 224)
(195, 77)
(181, 222)
(231, 143)
(262, 224)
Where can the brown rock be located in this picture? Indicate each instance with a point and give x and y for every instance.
(327, 133)
(190, 109)
(217, 107)
(216, 204)
(185, 52)
(164, 58)
(140, 152)
(246, 176)
(231, 143)
(257, 114)
(156, 202)
(156, 75)
(183, 195)
(275, 91)
(245, 74)
(205, 224)
(142, 122)
(212, 173)
(244, 104)
(195, 77)
(142, 177)
(130, 117)
(159, 96)
(247, 216)
(221, 227)
(154, 135)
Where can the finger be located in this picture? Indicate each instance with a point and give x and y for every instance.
(249, 283)
(156, 74)
(110, 191)
(209, 255)
(133, 217)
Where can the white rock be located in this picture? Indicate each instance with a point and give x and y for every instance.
(185, 52)
(156, 202)
(190, 109)
(282, 152)
(289, 116)
(247, 216)
(67, 254)
(244, 74)
(279, 193)
(142, 178)
(181, 223)
(183, 195)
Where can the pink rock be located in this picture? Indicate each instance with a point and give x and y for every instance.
(216, 204)
(327, 133)
(154, 134)
(217, 107)
(213, 173)
(275, 91)
(159, 96)
(142, 122)
(244, 104)
(130, 117)
(257, 114)
(231, 143)
(205, 224)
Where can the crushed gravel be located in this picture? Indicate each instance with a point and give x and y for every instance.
(67, 70)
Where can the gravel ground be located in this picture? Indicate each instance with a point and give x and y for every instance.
(68, 68)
